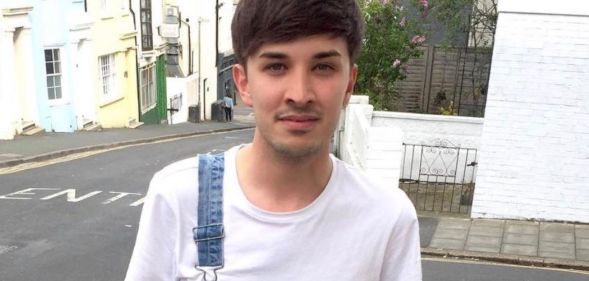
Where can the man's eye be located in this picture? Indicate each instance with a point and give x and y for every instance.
(324, 67)
(275, 67)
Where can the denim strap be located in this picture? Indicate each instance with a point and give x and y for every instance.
(209, 233)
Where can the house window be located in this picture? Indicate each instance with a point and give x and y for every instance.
(148, 95)
(107, 77)
(53, 72)
(146, 32)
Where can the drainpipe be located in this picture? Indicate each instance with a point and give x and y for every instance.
(199, 70)
(136, 62)
(204, 96)
(189, 44)
(217, 6)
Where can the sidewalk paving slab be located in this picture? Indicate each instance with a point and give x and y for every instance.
(582, 231)
(509, 241)
(519, 249)
(521, 239)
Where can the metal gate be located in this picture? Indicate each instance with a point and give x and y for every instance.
(439, 178)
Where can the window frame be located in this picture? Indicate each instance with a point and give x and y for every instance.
(55, 64)
(147, 86)
(107, 73)
(146, 20)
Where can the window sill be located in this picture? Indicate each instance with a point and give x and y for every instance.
(147, 109)
(56, 103)
(109, 101)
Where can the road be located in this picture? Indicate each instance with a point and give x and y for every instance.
(435, 269)
(77, 220)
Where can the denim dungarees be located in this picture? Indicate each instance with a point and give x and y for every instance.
(209, 233)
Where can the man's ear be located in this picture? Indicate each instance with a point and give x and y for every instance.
(351, 84)
(241, 83)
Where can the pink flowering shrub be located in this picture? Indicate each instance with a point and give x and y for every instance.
(391, 39)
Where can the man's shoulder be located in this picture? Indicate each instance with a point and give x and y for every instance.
(377, 193)
(177, 177)
(179, 167)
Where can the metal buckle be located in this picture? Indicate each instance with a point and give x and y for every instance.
(205, 272)
(220, 233)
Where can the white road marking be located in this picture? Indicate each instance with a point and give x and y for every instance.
(24, 192)
(27, 194)
(138, 202)
(119, 196)
(71, 195)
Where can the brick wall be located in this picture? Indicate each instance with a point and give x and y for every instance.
(535, 145)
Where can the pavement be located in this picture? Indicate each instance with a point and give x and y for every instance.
(532, 243)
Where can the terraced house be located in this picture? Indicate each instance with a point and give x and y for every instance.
(84, 64)
(18, 106)
(113, 63)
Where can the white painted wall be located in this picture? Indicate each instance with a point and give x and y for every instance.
(461, 134)
(535, 144)
(181, 90)
(23, 47)
(85, 102)
(226, 12)
(376, 150)
(429, 129)
(201, 15)
(13, 15)
(8, 115)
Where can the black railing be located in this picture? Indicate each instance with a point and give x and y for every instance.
(439, 178)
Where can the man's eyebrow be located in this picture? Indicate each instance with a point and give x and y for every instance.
(320, 55)
(327, 54)
(273, 55)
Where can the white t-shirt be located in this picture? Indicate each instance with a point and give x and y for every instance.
(355, 230)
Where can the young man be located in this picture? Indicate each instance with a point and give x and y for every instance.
(291, 210)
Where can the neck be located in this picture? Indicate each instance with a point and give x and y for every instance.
(273, 182)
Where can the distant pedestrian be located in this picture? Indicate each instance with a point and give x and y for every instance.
(228, 106)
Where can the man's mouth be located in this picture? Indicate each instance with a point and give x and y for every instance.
(299, 122)
(299, 118)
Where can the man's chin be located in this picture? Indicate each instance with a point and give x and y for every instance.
(296, 151)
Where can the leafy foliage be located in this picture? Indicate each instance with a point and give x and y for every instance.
(391, 39)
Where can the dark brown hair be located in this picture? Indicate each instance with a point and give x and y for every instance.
(275, 21)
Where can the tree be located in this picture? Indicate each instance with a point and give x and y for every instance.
(391, 39)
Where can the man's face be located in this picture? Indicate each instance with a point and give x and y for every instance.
(297, 90)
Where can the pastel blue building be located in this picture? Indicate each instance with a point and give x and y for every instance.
(61, 53)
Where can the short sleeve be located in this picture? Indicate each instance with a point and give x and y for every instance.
(153, 256)
(403, 253)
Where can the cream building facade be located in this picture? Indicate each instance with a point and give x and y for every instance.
(17, 97)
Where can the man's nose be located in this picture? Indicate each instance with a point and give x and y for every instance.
(300, 91)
